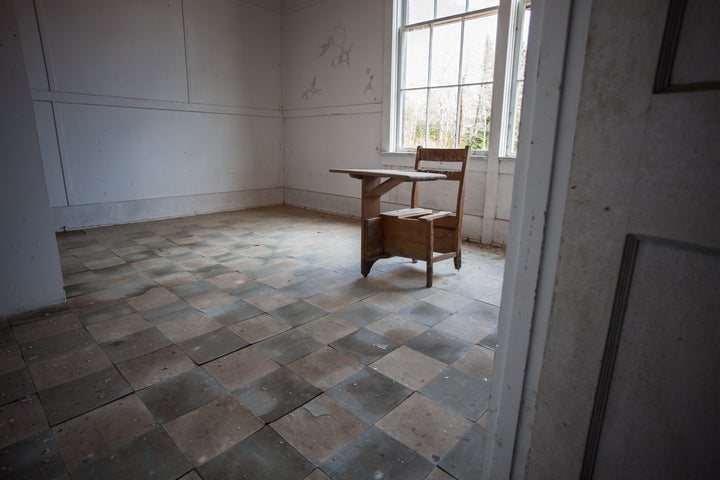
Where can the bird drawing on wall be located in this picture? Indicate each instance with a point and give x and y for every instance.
(312, 91)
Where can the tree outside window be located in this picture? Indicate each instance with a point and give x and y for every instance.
(446, 64)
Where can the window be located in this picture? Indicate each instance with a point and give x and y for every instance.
(445, 72)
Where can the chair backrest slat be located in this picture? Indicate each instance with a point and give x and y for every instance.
(434, 155)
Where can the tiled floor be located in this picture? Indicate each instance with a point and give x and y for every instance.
(247, 345)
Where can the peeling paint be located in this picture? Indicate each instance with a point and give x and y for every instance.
(336, 42)
(312, 91)
(370, 88)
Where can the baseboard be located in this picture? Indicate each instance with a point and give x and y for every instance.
(84, 216)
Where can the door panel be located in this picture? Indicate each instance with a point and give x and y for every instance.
(656, 415)
(626, 376)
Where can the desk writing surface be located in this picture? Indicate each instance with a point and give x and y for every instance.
(404, 175)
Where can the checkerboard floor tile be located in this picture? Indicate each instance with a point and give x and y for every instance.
(247, 345)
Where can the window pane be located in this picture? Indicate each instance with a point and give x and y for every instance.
(442, 109)
(480, 4)
(415, 73)
(475, 104)
(419, 11)
(516, 119)
(479, 49)
(523, 44)
(413, 106)
(450, 7)
(445, 54)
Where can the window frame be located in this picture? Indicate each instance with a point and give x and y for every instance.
(507, 56)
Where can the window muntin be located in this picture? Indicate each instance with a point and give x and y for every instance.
(446, 62)
(447, 59)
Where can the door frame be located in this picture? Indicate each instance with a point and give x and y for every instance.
(553, 81)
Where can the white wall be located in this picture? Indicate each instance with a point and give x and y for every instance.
(337, 121)
(148, 109)
(30, 274)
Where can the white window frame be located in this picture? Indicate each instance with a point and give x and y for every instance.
(504, 78)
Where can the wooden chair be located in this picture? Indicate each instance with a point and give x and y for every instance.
(419, 233)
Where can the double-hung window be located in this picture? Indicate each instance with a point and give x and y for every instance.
(445, 71)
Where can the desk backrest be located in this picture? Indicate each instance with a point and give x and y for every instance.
(426, 160)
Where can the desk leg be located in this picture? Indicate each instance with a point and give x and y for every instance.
(370, 208)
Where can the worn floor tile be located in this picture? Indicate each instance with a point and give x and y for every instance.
(100, 313)
(468, 328)
(317, 474)
(464, 460)
(211, 429)
(188, 326)
(288, 346)
(234, 312)
(155, 367)
(271, 300)
(490, 341)
(449, 301)
(70, 366)
(438, 474)
(425, 313)
(480, 310)
(374, 454)
(409, 367)
(280, 280)
(48, 327)
(329, 328)
(150, 455)
(21, 419)
(440, 346)
(212, 345)
(81, 395)
(210, 300)
(259, 328)
(365, 345)
(43, 349)
(325, 367)
(263, 455)
(10, 357)
(363, 313)
(277, 393)
(331, 301)
(153, 298)
(15, 384)
(298, 313)
(90, 436)
(116, 328)
(169, 312)
(305, 289)
(425, 426)
(34, 458)
(369, 394)
(180, 394)
(478, 361)
(240, 368)
(391, 301)
(461, 392)
(135, 345)
(319, 428)
(228, 281)
(397, 328)
(197, 288)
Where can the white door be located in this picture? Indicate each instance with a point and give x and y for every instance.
(628, 384)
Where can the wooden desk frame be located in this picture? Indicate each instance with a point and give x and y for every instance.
(373, 187)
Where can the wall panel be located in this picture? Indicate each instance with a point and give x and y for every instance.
(118, 154)
(129, 48)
